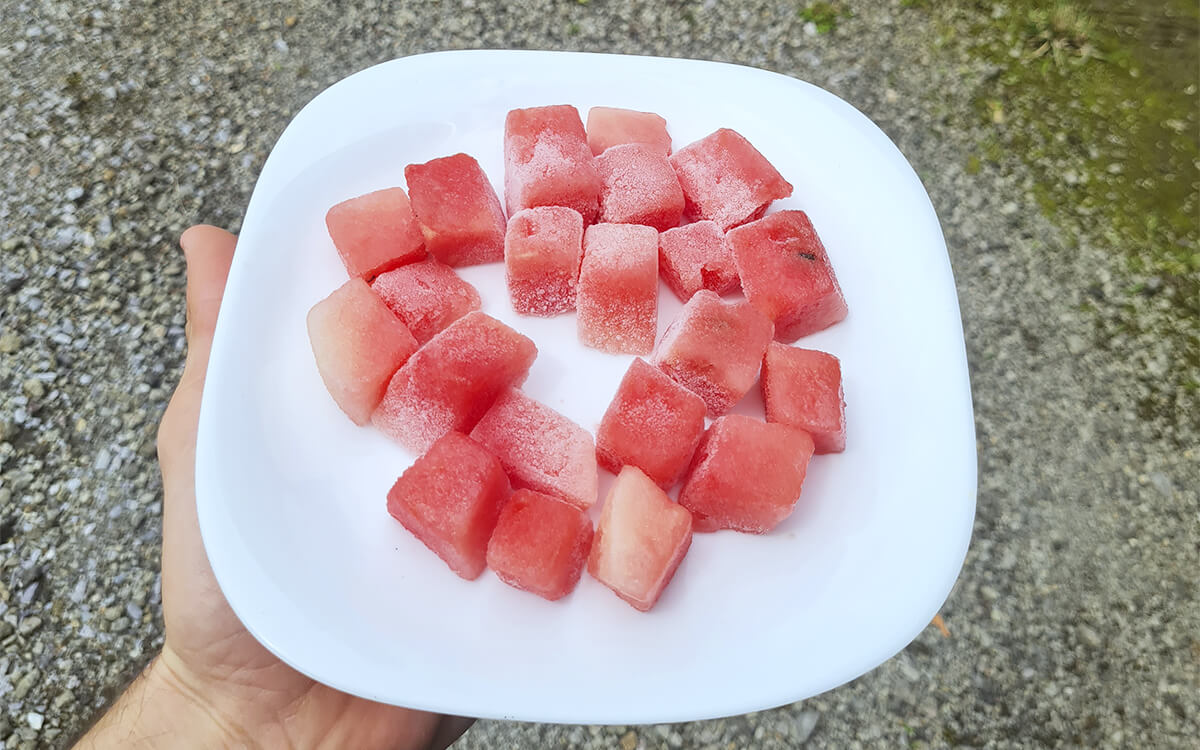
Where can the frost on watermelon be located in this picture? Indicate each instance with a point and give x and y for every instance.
(786, 273)
(452, 380)
(375, 232)
(612, 126)
(542, 251)
(617, 300)
(458, 210)
(746, 475)
(358, 344)
(640, 540)
(540, 448)
(803, 388)
(450, 499)
(547, 161)
(638, 186)
(427, 296)
(714, 348)
(540, 544)
(653, 423)
(695, 257)
(726, 179)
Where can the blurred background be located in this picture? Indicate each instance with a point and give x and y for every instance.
(1058, 140)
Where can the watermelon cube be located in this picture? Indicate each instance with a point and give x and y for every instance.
(459, 212)
(427, 296)
(540, 544)
(695, 257)
(451, 381)
(638, 186)
(450, 499)
(640, 541)
(653, 423)
(786, 273)
(547, 161)
(542, 252)
(612, 126)
(358, 345)
(375, 232)
(540, 448)
(803, 388)
(747, 475)
(726, 179)
(617, 299)
(714, 349)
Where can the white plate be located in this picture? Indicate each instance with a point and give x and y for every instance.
(291, 494)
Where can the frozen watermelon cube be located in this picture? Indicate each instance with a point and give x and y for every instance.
(638, 186)
(542, 251)
(540, 544)
(358, 345)
(450, 499)
(427, 296)
(547, 161)
(695, 257)
(617, 299)
(653, 423)
(726, 179)
(640, 540)
(786, 273)
(458, 210)
(612, 126)
(747, 475)
(451, 381)
(375, 232)
(803, 388)
(714, 348)
(540, 448)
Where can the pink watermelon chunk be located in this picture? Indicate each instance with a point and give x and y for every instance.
(540, 544)
(653, 423)
(542, 252)
(640, 541)
(715, 348)
(612, 126)
(618, 288)
(695, 257)
(726, 179)
(450, 499)
(803, 388)
(638, 186)
(358, 344)
(786, 273)
(459, 212)
(747, 475)
(452, 380)
(375, 232)
(540, 448)
(547, 161)
(427, 296)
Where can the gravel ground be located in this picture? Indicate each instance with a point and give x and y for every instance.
(1076, 622)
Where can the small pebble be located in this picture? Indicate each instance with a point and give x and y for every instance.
(629, 740)
(35, 720)
(29, 625)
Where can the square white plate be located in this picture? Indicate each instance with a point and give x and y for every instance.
(291, 494)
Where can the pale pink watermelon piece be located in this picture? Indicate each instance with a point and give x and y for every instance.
(427, 296)
(638, 186)
(540, 544)
(695, 257)
(542, 252)
(540, 448)
(640, 540)
(358, 344)
(450, 499)
(747, 475)
(653, 423)
(786, 273)
(547, 161)
(459, 212)
(803, 388)
(726, 179)
(375, 232)
(452, 380)
(617, 299)
(612, 126)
